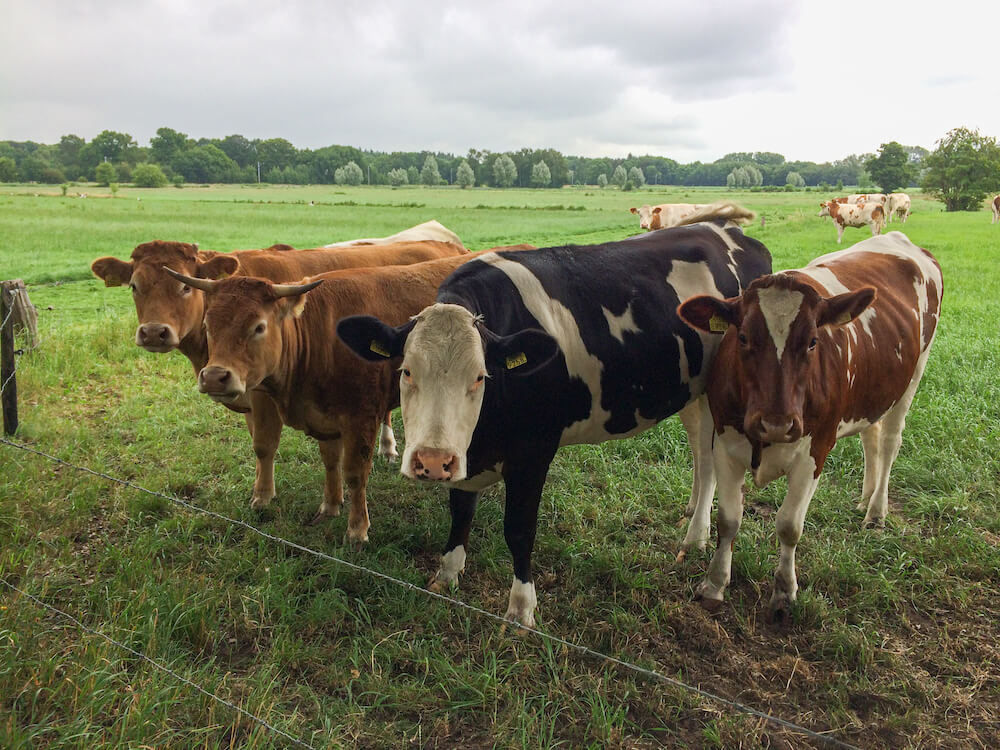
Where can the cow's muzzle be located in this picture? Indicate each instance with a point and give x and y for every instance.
(785, 428)
(156, 337)
(220, 383)
(434, 465)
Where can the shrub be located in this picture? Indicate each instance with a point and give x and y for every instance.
(398, 177)
(148, 176)
(52, 176)
(465, 177)
(105, 173)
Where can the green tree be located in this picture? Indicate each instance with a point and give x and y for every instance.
(349, 174)
(206, 163)
(464, 175)
(795, 180)
(963, 169)
(112, 146)
(105, 173)
(149, 176)
(504, 171)
(8, 169)
(636, 176)
(619, 177)
(398, 177)
(602, 180)
(891, 169)
(69, 153)
(541, 175)
(239, 149)
(167, 145)
(413, 175)
(429, 175)
(275, 152)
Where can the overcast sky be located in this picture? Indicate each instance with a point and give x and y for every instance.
(692, 80)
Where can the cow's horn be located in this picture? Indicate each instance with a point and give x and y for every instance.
(206, 285)
(292, 290)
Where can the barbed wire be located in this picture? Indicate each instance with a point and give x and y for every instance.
(581, 649)
(242, 711)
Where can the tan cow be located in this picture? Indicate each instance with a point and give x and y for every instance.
(664, 215)
(898, 205)
(854, 215)
(879, 198)
(171, 315)
(995, 206)
(429, 230)
(279, 341)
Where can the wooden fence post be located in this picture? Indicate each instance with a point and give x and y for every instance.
(7, 380)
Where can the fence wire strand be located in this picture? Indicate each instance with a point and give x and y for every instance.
(579, 648)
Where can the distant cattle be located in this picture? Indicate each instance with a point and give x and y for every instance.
(898, 205)
(277, 340)
(430, 230)
(525, 352)
(879, 198)
(664, 215)
(995, 206)
(854, 215)
(171, 314)
(809, 356)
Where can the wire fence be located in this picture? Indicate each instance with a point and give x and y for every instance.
(736, 706)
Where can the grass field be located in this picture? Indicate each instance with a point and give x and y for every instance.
(894, 642)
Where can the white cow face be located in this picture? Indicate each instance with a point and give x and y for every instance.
(448, 358)
(645, 214)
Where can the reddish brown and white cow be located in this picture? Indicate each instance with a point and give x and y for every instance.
(879, 198)
(279, 341)
(854, 215)
(898, 205)
(430, 230)
(809, 356)
(171, 314)
(995, 206)
(665, 215)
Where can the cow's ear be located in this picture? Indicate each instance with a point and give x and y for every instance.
(836, 311)
(657, 210)
(218, 267)
(634, 210)
(371, 339)
(521, 353)
(710, 314)
(114, 272)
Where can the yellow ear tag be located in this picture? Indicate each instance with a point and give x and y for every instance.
(717, 324)
(844, 318)
(517, 360)
(378, 349)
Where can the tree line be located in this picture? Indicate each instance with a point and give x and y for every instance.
(172, 156)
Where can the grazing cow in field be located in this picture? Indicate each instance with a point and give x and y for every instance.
(171, 314)
(809, 356)
(995, 206)
(898, 205)
(854, 215)
(430, 230)
(525, 352)
(278, 340)
(664, 215)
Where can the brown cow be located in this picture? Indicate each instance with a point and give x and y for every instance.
(171, 315)
(843, 215)
(277, 340)
(809, 356)
(995, 206)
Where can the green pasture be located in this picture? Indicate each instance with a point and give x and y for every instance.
(893, 643)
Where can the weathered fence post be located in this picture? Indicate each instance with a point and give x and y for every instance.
(8, 383)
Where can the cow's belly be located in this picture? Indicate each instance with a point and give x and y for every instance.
(593, 431)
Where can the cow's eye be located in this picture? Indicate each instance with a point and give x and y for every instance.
(481, 378)
(812, 344)
(406, 373)
(261, 327)
(742, 339)
(185, 289)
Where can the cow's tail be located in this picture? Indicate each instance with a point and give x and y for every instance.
(719, 211)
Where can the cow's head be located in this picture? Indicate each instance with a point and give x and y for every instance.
(826, 208)
(243, 320)
(449, 358)
(168, 309)
(646, 217)
(774, 330)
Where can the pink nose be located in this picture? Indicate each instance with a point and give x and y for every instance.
(435, 465)
(780, 429)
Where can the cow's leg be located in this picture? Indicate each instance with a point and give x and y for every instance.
(333, 484)
(264, 423)
(871, 444)
(524, 480)
(730, 472)
(789, 521)
(463, 507)
(358, 444)
(697, 420)
(387, 439)
(840, 233)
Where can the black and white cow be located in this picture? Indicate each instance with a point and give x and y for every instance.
(528, 351)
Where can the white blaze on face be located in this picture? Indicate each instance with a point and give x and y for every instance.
(441, 398)
(779, 307)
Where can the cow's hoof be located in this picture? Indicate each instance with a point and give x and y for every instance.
(520, 621)
(779, 610)
(441, 584)
(874, 523)
(353, 538)
(709, 596)
(680, 556)
(317, 518)
(259, 503)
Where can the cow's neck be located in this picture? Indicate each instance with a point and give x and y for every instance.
(194, 346)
